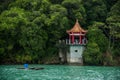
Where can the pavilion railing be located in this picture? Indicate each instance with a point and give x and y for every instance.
(76, 42)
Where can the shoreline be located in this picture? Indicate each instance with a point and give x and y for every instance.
(65, 64)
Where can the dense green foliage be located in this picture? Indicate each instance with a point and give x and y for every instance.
(30, 29)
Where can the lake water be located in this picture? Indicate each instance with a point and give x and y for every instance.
(59, 72)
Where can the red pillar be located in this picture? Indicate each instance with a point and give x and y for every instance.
(80, 39)
(72, 39)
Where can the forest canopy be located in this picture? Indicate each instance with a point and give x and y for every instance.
(30, 29)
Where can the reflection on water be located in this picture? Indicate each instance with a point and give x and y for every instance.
(59, 72)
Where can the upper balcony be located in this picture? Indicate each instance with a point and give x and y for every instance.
(76, 42)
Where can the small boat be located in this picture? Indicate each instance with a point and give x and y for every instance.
(36, 68)
(33, 68)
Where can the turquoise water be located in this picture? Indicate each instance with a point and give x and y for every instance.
(59, 72)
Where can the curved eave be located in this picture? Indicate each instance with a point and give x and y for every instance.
(69, 31)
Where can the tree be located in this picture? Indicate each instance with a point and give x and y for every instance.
(97, 45)
(113, 27)
(56, 1)
(56, 26)
(92, 55)
(30, 29)
(110, 3)
(96, 10)
(4, 4)
(10, 23)
(75, 10)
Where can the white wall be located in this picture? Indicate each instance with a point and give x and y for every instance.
(75, 53)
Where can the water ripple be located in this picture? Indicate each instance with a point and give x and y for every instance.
(58, 72)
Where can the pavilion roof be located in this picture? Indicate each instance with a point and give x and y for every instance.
(76, 28)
